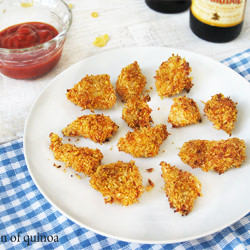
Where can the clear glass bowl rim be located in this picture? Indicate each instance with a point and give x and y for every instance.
(60, 36)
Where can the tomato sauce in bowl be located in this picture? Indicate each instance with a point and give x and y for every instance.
(27, 57)
(26, 35)
(32, 37)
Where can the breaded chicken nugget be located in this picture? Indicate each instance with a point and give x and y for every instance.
(145, 142)
(222, 112)
(98, 128)
(182, 188)
(130, 81)
(173, 76)
(214, 155)
(136, 112)
(81, 159)
(118, 182)
(93, 92)
(183, 112)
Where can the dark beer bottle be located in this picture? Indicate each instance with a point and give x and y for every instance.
(217, 20)
(168, 6)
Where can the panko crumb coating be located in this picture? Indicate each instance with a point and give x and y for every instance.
(130, 81)
(214, 155)
(184, 111)
(97, 127)
(222, 112)
(81, 159)
(118, 182)
(182, 188)
(173, 76)
(144, 142)
(93, 92)
(136, 112)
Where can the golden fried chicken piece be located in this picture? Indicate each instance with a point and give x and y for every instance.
(98, 128)
(222, 112)
(214, 155)
(93, 92)
(118, 182)
(130, 81)
(81, 159)
(136, 112)
(182, 188)
(145, 142)
(183, 112)
(173, 76)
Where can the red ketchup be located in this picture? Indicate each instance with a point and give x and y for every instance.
(30, 64)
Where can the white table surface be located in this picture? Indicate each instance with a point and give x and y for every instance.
(129, 23)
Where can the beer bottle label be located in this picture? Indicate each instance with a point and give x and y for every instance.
(220, 13)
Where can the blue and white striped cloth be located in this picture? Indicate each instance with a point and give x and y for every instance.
(28, 221)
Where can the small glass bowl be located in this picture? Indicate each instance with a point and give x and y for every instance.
(33, 62)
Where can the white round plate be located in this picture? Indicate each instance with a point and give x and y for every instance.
(225, 197)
